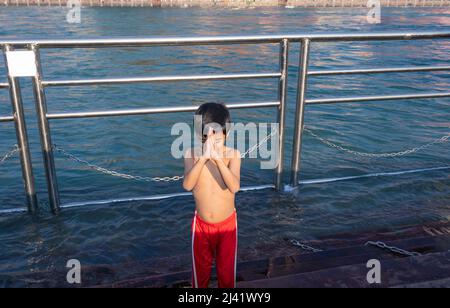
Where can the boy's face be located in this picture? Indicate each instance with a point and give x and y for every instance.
(215, 132)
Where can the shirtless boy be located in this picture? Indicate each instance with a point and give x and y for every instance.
(212, 173)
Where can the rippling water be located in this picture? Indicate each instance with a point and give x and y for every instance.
(141, 145)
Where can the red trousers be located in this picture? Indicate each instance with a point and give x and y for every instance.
(214, 240)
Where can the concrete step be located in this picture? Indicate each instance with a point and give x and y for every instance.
(301, 263)
(440, 283)
(394, 272)
(341, 249)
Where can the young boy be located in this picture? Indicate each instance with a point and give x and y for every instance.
(212, 173)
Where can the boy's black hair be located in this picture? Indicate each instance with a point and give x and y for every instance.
(214, 113)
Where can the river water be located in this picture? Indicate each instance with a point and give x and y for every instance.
(141, 145)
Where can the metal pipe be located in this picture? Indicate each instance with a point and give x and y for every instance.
(6, 119)
(379, 70)
(282, 96)
(222, 40)
(54, 83)
(142, 42)
(12, 211)
(45, 135)
(130, 112)
(249, 188)
(152, 198)
(336, 100)
(300, 111)
(4, 85)
(369, 175)
(22, 137)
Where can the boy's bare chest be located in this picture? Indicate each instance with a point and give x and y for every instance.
(211, 176)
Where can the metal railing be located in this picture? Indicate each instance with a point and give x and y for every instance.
(284, 41)
(3, 118)
(21, 134)
(44, 116)
(304, 73)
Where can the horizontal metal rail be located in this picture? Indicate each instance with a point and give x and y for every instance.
(144, 111)
(158, 79)
(6, 119)
(249, 188)
(353, 99)
(13, 211)
(4, 85)
(380, 70)
(220, 40)
(153, 197)
(244, 189)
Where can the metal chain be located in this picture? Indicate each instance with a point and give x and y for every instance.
(304, 246)
(393, 249)
(114, 173)
(380, 245)
(258, 145)
(443, 139)
(10, 154)
(138, 177)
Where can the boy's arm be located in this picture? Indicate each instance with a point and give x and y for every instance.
(192, 169)
(231, 175)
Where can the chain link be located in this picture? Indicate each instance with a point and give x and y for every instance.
(258, 145)
(304, 246)
(380, 245)
(114, 173)
(103, 170)
(10, 154)
(442, 139)
(393, 249)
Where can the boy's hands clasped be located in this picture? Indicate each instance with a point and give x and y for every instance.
(210, 151)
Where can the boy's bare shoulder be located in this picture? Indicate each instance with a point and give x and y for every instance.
(233, 153)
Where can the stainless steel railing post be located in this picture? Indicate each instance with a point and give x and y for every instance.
(282, 96)
(22, 136)
(300, 111)
(45, 134)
